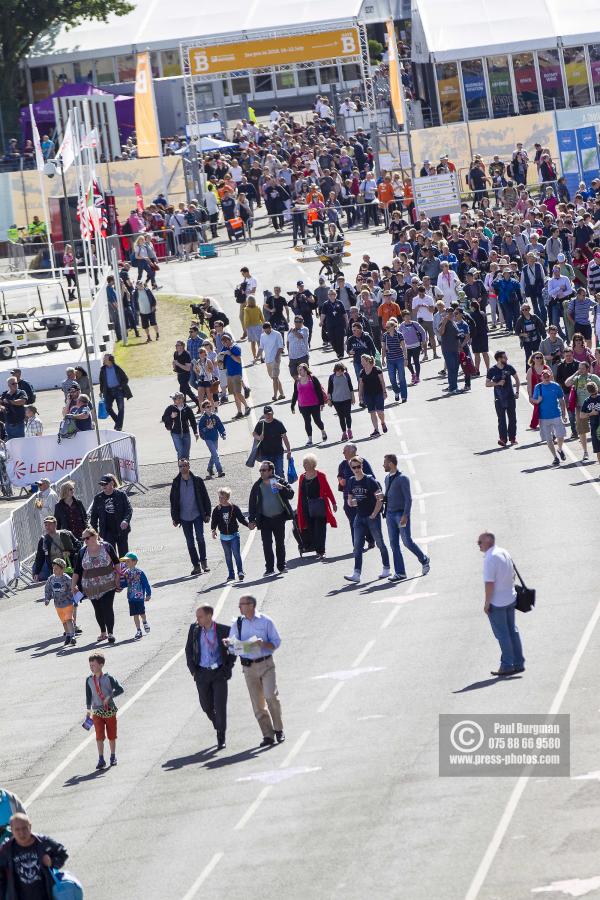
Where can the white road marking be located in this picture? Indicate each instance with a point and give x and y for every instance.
(400, 601)
(419, 496)
(275, 776)
(418, 487)
(428, 539)
(583, 469)
(330, 696)
(348, 674)
(411, 467)
(517, 792)
(591, 776)
(206, 871)
(295, 749)
(575, 887)
(253, 807)
(368, 718)
(45, 784)
(423, 526)
(362, 654)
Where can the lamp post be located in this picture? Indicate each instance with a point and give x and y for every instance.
(50, 170)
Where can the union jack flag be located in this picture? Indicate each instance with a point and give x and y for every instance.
(91, 212)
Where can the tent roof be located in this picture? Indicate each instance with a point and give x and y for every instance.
(471, 28)
(162, 24)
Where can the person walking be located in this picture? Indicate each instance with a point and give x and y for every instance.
(96, 572)
(100, 691)
(530, 330)
(268, 510)
(252, 323)
(393, 352)
(70, 513)
(578, 383)
(144, 300)
(180, 422)
(114, 387)
(182, 366)
(415, 340)
(231, 355)
(335, 321)
(549, 399)
(26, 859)
(372, 393)
(365, 495)
(500, 377)
(450, 341)
(271, 348)
(310, 397)
(341, 395)
(316, 505)
(190, 508)
(226, 517)
(298, 345)
(590, 409)
(52, 544)
(499, 604)
(111, 514)
(344, 474)
(398, 504)
(259, 668)
(211, 667)
(272, 436)
(210, 429)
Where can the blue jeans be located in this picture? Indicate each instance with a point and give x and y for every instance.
(231, 549)
(189, 528)
(555, 312)
(214, 460)
(364, 525)
(502, 620)
(15, 431)
(115, 395)
(277, 460)
(508, 311)
(397, 533)
(182, 443)
(452, 366)
(395, 369)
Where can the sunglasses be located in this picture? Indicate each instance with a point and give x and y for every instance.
(86, 537)
(356, 467)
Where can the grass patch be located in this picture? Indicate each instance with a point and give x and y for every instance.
(140, 359)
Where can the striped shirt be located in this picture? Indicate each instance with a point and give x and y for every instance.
(394, 345)
(580, 309)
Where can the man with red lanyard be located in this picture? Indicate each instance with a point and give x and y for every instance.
(210, 666)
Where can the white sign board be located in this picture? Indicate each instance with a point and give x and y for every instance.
(437, 195)
(9, 553)
(33, 457)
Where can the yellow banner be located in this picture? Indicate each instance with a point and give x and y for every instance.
(274, 52)
(146, 126)
(395, 75)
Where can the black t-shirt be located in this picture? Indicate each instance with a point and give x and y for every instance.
(592, 405)
(363, 490)
(271, 444)
(14, 415)
(29, 879)
(334, 314)
(360, 344)
(502, 392)
(371, 383)
(183, 359)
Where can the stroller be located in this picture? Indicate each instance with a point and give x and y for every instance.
(6, 488)
(331, 254)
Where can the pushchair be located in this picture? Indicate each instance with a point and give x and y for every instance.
(331, 254)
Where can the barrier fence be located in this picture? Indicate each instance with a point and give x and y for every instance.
(18, 544)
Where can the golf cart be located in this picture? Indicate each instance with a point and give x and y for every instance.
(35, 315)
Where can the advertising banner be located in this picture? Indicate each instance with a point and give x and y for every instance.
(146, 124)
(569, 158)
(587, 142)
(9, 553)
(296, 48)
(31, 458)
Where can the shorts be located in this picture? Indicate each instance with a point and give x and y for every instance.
(105, 727)
(583, 328)
(583, 425)
(274, 368)
(137, 608)
(255, 332)
(148, 319)
(64, 613)
(205, 383)
(550, 428)
(294, 363)
(234, 384)
(374, 402)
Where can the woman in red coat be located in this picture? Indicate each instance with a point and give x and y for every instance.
(316, 505)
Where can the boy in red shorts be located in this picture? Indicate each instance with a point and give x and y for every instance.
(100, 691)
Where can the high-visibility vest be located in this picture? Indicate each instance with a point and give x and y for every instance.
(13, 234)
(251, 114)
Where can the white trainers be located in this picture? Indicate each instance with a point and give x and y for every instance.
(137, 635)
(355, 577)
(385, 572)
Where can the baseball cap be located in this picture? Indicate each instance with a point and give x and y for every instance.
(177, 394)
(561, 257)
(107, 479)
(299, 282)
(473, 271)
(133, 556)
(267, 409)
(44, 481)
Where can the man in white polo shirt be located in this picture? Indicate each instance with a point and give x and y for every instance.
(499, 605)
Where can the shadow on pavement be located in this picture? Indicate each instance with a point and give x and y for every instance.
(168, 581)
(585, 481)
(40, 645)
(491, 450)
(488, 682)
(179, 762)
(245, 755)
(80, 779)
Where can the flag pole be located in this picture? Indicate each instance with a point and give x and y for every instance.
(39, 161)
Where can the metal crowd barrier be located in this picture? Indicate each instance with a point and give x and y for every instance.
(27, 520)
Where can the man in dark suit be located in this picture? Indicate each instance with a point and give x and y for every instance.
(211, 667)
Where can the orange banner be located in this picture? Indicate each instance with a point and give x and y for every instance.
(146, 125)
(395, 74)
(279, 51)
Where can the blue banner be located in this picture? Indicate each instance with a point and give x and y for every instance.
(569, 159)
(587, 141)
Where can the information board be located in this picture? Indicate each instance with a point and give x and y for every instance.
(437, 195)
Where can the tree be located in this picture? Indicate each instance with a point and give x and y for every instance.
(24, 22)
(375, 51)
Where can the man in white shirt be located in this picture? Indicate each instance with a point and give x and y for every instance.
(499, 604)
(271, 344)
(236, 172)
(347, 108)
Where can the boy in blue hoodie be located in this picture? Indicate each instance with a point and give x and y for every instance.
(210, 428)
(138, 591)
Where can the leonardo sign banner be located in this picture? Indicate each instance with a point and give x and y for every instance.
(278, 51)
(31, 458)
(9, 553)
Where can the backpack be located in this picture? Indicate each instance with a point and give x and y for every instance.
(66, 429)
(66, 886)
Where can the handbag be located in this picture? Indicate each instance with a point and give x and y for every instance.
(102, 410)
(467, 364)
(316, 508)
(292, 475)
(525, 596)
(572, 401)
(66, 886)
(252, 456)
(154, 265)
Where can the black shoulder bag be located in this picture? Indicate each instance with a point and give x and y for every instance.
(525, 595)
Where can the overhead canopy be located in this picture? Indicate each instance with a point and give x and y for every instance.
(43, 110)
(162, 24)
(471, 28)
